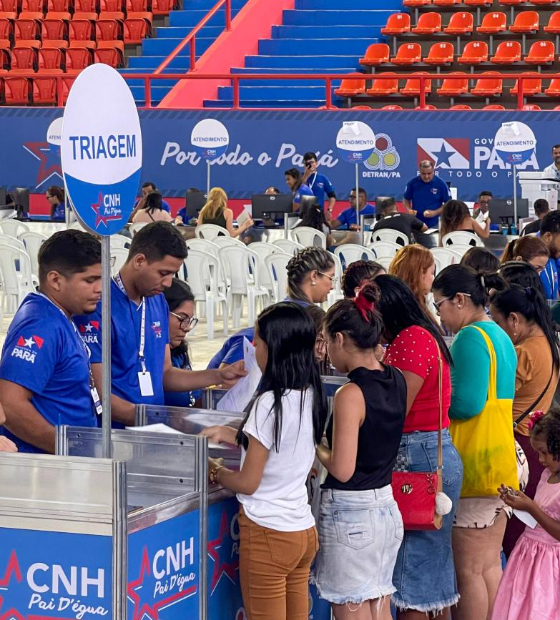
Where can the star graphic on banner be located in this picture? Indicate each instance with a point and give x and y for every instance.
(49, 160)
(443, 156)
(221, 554)
(12, 569)
(97, 207)
(150, 610)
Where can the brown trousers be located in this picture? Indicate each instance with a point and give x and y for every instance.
(274, 570)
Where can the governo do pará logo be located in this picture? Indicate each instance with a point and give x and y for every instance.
(101, 149)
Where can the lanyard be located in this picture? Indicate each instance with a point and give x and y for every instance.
(314, 179)
(141, 356)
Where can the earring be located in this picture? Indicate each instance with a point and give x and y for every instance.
(313, 283)
(459, 306)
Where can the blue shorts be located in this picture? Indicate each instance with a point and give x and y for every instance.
(424, 575)
(360, 533)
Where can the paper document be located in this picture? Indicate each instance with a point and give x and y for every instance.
(243, 217)
(239, 396)
(526, 518)
(167, 430)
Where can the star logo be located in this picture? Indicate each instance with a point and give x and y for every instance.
(445, 153)
(149, 609)
(30, 342)
(12, 570)
(99, 209)
(48, 156)
(221, 552)
(89, 327)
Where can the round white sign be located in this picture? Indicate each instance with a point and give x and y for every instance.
(210, 138)
(355, 141)
(515, 142)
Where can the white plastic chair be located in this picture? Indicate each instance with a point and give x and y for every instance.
(351, 252)
(262, 250)
(202, 270)
(277, 265)
(222, 241)
(459, 248)
(13, 228)
(444, 257)
(309, 237)
(119, 256)
(336, 293)
(17, 277)
(241, 267)
(461, 237)
(385, 249)
(14, 241)
(288, 246)
(33, 242)
(120, 241)
(390, 235)
(134, 228)
(384, 261)
(210, 231)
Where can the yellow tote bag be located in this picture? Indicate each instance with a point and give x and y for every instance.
(485, 442)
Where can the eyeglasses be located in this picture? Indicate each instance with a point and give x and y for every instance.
(185, 323)
(437, 304)
(333, 279)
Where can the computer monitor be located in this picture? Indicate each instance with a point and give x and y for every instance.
(503, 208)
(21, 201)
(263, 205)
(307, 201)
(194, 201)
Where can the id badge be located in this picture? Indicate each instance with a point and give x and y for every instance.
(96, 401)
(145, 381)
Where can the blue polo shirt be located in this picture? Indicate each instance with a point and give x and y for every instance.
(320, 185)
(59, 215)
(232, 349)
(44, 354)
(182, 213)
(348, 216)
(549, 279)
(126, 321)
(427, 197)
(303, 190)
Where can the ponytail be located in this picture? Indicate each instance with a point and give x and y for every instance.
(508, 252)
(460, 279)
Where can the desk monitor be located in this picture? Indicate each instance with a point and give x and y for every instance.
(307, 201)
(262, 204)
(194, 201)
(21, 201)
(503, 208)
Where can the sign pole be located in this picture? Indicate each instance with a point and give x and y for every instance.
(106, 344)
(207, 177)
(358, 201)
(514, 196)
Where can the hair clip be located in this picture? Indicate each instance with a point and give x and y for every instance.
(364, 305)
(534, 418)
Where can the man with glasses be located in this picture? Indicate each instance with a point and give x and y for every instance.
(347, 219)
(482, 212)
(141, 369)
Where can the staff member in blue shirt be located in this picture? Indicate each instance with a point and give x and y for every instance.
(550, 235)
(347, 218)
(141, 359)
(295, 182)
(426, 194)
(148, 188)
(317, 182)
(45, 375)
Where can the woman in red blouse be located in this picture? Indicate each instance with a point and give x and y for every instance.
(424, 574)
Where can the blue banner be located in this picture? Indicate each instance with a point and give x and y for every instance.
(163, 575)
(55, 575)
(262, 145)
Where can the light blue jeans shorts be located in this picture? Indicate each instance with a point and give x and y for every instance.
(360, 533)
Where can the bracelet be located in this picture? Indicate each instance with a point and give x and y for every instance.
(213, 475)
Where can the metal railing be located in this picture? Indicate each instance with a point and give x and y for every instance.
(148, 78)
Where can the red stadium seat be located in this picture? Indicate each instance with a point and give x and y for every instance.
(408, 54)
(447, 2)
(440, 54)
(494, 106)
(135, 30)
(391, 107)
(412, 86)
(137, 6)
(56, 44)
(162, 7)
(109, 30)
(530, 87)
(58, 6)
(50, 60)
(376, 54)
(525, 22)
(16, 90)
(554, 88)
(27, 30)
(383, 87)
(109, 56)
(114, 8)
(81, 30)
(413, 4)
(428, 23)
(427, 107)
(553, 26)
(543, 2)
(351, 87)
(557, 108)
(29, 15)
(511, 3)
(460, 107)
(44, 91)
(493, 23)
(8, 6)
(478, 2)
(531, 107)
(6, 29)
(398, 23)
(4, 60)
(24, 59)
(54, 30)
(454, 87)
(460, 23)
(85, 6)
(33, 6)
(474, 53)
(507, 53)
(489, 87)
(541, 53)
(78, 59)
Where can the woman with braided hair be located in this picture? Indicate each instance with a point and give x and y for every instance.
(310, 276)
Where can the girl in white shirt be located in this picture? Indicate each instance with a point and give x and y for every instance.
(284, 423)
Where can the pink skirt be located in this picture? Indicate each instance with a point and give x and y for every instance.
(530, 588)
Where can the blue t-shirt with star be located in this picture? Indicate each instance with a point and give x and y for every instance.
(126, 321)
(427, 197)
(321, 186)
(348, 217)
(44, 354)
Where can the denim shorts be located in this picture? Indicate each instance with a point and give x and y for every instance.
(424, 575)
(360, 533)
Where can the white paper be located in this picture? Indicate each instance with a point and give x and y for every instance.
(526, 518)
(239, 396)
(167, 430)
(243, 217)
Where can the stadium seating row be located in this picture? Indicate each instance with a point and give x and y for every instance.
(25, 61)
(528, 107)
(65, 8)
(475, 3)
